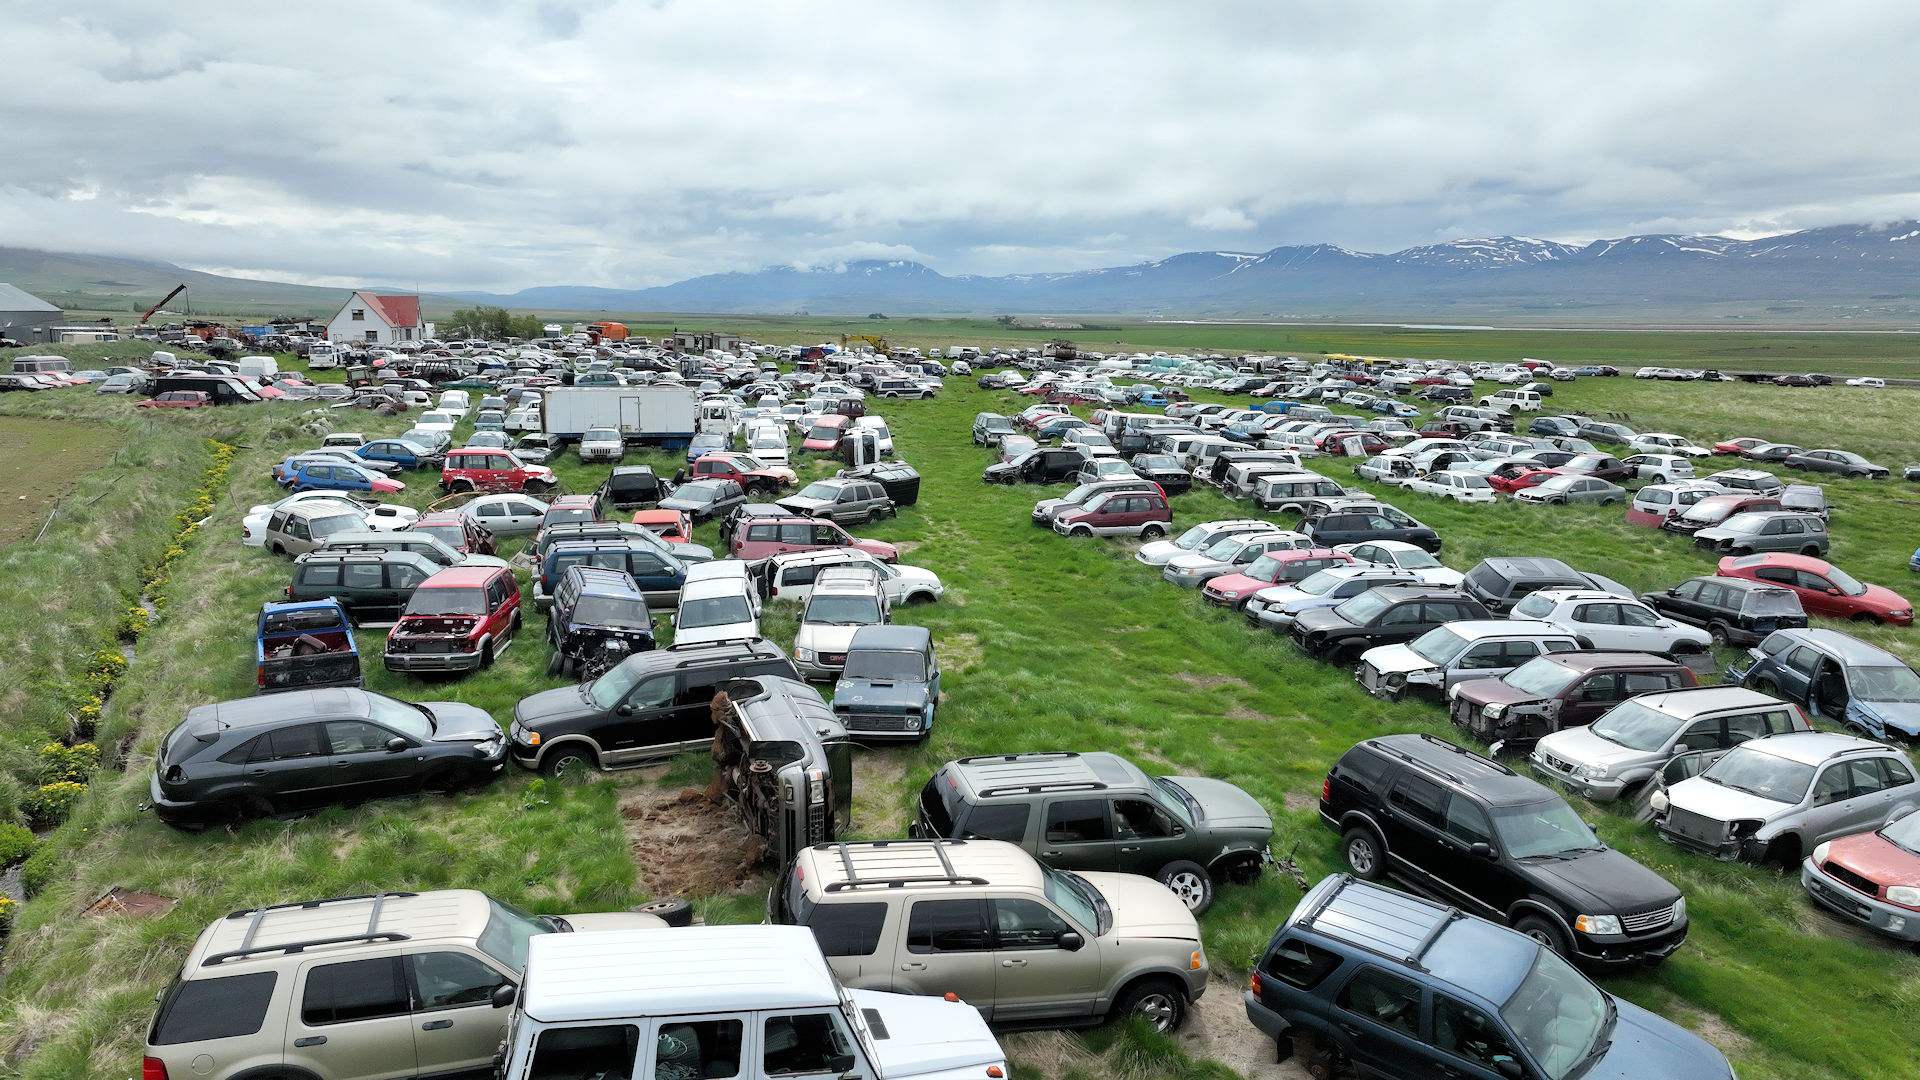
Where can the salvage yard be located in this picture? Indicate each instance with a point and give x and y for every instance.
(1047, 643)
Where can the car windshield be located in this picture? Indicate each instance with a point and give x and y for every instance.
(612, 612)
(821, 490)
(1225, 549)
(507, 932)
(713, 611)
(1157, 461)
(1558, 1017)
(453, 535)
(832, 610)
(1099, 502)
(1192, 538)
(1176, 799)
(1079, 494)
(1884, 683)
(404, 717)
(1845, 582)
(1904, 834)
(1438, 645)
(1770, 602)
(1635, 726)
(886, 665)
(1317, 583)
(1362, 609)
(1266, 568)
(1541, 677)
(448, 602)
(1077, 899)
(601, 434)
(1758, 773)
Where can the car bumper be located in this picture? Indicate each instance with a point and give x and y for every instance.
(1186, 581)
(1599, 790)
(1857, 907)
(1270, 1023)
(170, 811)
(820, 671)
(432, 661)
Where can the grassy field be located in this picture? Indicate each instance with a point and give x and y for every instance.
(40, 462)
(1047, 644)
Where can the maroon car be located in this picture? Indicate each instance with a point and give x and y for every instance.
(1559, 690)
(177, 399)
(458, 531)
(457, 620)
(1600, 466)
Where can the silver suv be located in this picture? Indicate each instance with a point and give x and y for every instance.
(983, 919)
(844, 599)
(1473, 649)
(1624, 748)
(393, 984)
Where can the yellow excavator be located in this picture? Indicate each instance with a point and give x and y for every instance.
(879, 344)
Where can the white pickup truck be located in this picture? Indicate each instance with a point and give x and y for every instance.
(752, 1002)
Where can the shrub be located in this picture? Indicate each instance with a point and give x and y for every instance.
(38, 870)
(7, 911)
(16, 843)
(53, 802)
(71, 764)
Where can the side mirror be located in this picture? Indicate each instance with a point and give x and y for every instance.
(623, 709)
(1680, 748)
(1510, 1069)
(503, 995)
(1832, 591)
(1481, 851)
(841, 1063)
(396, 744)
(1070, 940)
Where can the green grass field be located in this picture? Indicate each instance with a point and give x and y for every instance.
(1047, 644)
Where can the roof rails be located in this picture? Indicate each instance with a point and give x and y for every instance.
(1446, 917)
(1440, 742)
(977, 758)
(248, 948)
(938, 847)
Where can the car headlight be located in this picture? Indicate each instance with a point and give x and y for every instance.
(1680, 910)
(1744, 827)
(1396, 679)
(1186, 571)
(1494, 711)
(1904, 894)
(805, 656)
(487, 747)
(1820, 854)
(1590, 772)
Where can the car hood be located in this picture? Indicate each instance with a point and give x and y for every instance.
(862, 695)
(1876, 858)
(1236, 585)
(1881, 598)
(802, 505)
(455, 721)
(1646, 1045)
(1000, 468)
(927, 1035)
(689, 505)
(1580, 746)
(559, 705)
(1144, 908)
(916, 575)
(1717, 802)
(1310, 619)
(1606, 882)
(1392, 658)
(823, 638)
(1159, 553)
(1224, 805)
(879, 549)
(1901, 716)
(1193, 560)
(1489, 691)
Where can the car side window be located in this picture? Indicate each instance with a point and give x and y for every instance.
(320, 574)
(450, 980)
(1466, 1032)
(300, 741)
(606, 1050)
(1515, 653)
(1420, 799)
(1141, 818)
(354, 737)
(1811, 582)
(297, 528)
(1602, 687)
(1078, 821)
(1484, 655)
(1865, 777)
(798, 1044)
(1401, 615)
(1467, 823)
(354, 990)
(658, 691)
(937, 926)
(1703, 734)
(1646, 682)
(1001, 821)
(1300, 964)
(1385, 999)
(1598, 614)
(1803, 660)
(405, 577)
(792, 534)
(826, 534)
(1832, 786)
(1026, 924)
(1898, 775)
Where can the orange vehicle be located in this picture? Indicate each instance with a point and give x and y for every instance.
(609, 331)
(673, 526)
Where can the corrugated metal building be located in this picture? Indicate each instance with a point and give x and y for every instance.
(25, 317)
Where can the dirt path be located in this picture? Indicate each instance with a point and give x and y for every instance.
(1217, 1028)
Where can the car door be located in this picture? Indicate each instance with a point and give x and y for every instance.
(948, 949)
(1794, 672)
(1035, 976)
(1414, 816)
(1478, 879)
(1378, 1015)
(354, 1019)
(361, 764)
(1077, 834)
(1469, 1044)
(455, 1026)
(655, 573)
(1599, 624)
(1869, 798)
(1146, 836)
(1594, 695)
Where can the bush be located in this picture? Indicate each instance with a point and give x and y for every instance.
(68, 764)
(16, 843)
(7, 911)
(53, 802)
(38, 870)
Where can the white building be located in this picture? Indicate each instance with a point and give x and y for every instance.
(376, 320)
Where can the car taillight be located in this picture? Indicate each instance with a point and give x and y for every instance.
(152, 1069)
(1253, 983)
(1326, 789)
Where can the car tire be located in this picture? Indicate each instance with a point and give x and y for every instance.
(1811, 551)
(460, 486)
(445, 780)
(1363, 853)
(568, 762)
(486, 656)
(919, 598)
(1542, 930)
(1160, 1002)
(1190, 882)
(876, 515)
(1717, 633)
(1081, 531)
(673, 911)
(1152, 532)
(1659, 478)
(554, 663)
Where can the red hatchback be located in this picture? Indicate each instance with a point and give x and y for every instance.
(459, 619)
(1520, 481)
(1823, 588)
(177, 399)
(1273, 568)
(1738, 447)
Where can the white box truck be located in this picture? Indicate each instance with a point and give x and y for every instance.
(665, 416)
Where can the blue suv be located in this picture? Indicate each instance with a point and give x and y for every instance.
(1397, 986)
(1865, 689)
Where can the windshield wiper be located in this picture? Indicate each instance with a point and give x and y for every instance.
(1602, 1042)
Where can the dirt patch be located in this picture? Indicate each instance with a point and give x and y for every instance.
(1240, 712)
(1815, 919)
(905, 546)
(1217, 1028)
(684, 845)
(1209, 682)
(1298, 801)
(958, 652)
(1714, 1029)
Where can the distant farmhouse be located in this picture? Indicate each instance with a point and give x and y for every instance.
(25, 317)
(377, 320)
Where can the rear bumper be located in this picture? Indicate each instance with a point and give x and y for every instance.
(1270, 1023)
(432, 661)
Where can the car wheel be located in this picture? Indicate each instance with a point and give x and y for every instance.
(460, 486)
(1152, 532)
(1659, 478)
(486, 655)
(278, 550)
(568, 762)
(1364, 853)
(1160, 1002)
(1190, 882)
(1718, 634)
(568, 666)
(920, 598)
(1080, 530)
(1608, 502)
(876, 515)
(1540, 929)
(672, 911)
(554, 663)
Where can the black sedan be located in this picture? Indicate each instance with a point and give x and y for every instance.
(304, 749)
(1771, 452)
(1843, 462)
(705, 500)
(1163, 469)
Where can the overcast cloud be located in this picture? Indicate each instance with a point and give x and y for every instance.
(493, 144)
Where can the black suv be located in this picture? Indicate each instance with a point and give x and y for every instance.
(632, 487)
(1396, 986)
(1041, 465)
(599, 618)
(1474, 833)
(369, 584)
(1388, 615)
(1503, 582)
(652, 706)
(302, 749)
(1735, 611)
(1359, 524)
(1099, 811)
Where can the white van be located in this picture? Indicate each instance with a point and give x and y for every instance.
(259, 367)
(457, 402)
(321, 357)
(1200, 451)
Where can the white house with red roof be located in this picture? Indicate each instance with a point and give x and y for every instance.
(377, 320)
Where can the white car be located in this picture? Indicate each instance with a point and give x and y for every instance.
(716, 609)
(437, 420)
(380, 516)
(1390, 469)
(1869, 383)
(1197, 538)
(524, 419)
(457, 402)
(1660, 468)
(1401, 555)
(1093, 442)
(1456, 484)
(882, 438)
(769, 444)
(1605, 621)
(1660, 442)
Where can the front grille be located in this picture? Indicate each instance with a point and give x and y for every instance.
(1838, 900)
(1554, 763)
(834, 658)
(1696, 827)
(1852, 880)
(865, 722)
(1644, 922)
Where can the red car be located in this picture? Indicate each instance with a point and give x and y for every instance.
(488, 469)
(1443, 429)
(570, 510)
(1273, 568)
(673, 526)
(1738, 447)
(177, 399)
(1823, 588)
(753, 477)
(459, 619)
(766, 536)
(458, 531)
(1520, 481)
(1872, 878)
(1334, 443)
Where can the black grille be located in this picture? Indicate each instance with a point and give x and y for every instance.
(1852, 880)
(865, 722)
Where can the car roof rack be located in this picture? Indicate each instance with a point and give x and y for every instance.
(248, 948)
(1453, 747)
(938, 847)
(1444, 916)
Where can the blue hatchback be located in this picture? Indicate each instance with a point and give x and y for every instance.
(337, 476)
(407, 455)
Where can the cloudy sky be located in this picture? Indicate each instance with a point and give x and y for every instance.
(497, 144)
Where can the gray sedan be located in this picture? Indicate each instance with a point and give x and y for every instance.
(1844, 462)
(1573, 489)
